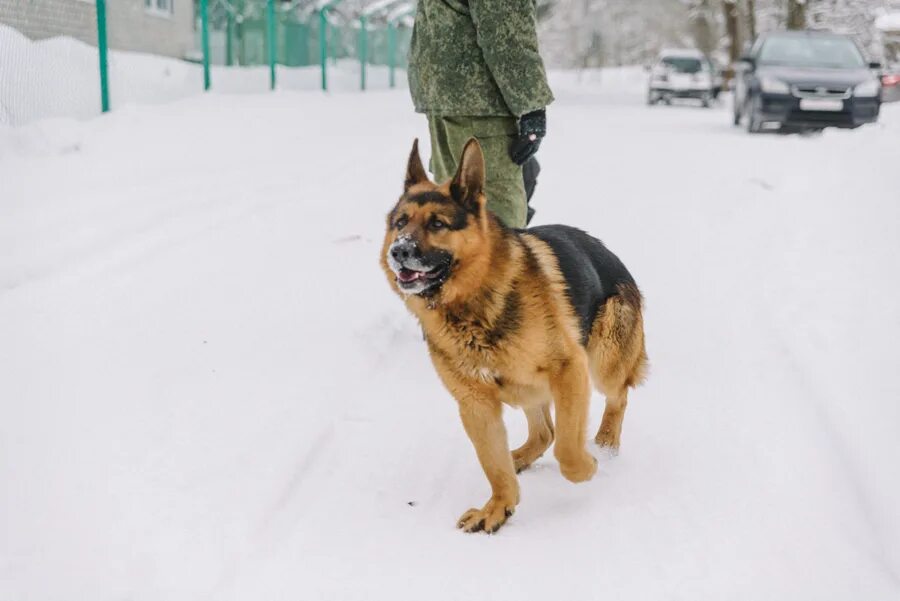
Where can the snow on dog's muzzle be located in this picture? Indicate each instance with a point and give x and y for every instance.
(405, 252)
(417, 271)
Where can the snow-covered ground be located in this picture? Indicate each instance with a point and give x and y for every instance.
(207, 390)
(59, 77)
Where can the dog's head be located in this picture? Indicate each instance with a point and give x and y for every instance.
(435, 231)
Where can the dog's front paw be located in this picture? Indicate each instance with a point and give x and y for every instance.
(578, 470)
(489, 518)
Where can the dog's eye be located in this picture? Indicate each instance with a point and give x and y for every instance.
(401, 223)
(437, 224)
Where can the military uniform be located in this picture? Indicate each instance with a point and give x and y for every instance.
(474, 69)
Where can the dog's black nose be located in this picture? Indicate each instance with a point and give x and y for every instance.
(404, 251)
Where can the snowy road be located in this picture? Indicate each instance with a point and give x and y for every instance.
(207, 390)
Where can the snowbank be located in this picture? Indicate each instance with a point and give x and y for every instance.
(59, 77)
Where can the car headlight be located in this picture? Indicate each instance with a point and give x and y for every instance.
(770, 85)
(867, 89)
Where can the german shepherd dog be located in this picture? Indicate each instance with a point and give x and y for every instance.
(521, 317)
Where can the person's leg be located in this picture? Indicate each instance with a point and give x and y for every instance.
(504, 185)
(530, 170)
(444, 151)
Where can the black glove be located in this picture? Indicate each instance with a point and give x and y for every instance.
(532, 129)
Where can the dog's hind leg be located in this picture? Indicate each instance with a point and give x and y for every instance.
(611, 427)
(540, 436)
(618, 359)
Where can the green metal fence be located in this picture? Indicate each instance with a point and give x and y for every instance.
(287, 34)
(301, 33)
(102, 52)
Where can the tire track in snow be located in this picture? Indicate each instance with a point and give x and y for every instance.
(840, 452)
(323, 441)
(166, 231)
(265, 535)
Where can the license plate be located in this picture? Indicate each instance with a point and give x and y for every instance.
(679, 82)
(821, 104)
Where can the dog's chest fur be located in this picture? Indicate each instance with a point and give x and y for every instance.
(476, 341)
(476, 331)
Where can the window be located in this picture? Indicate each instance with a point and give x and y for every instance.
(159, 7)
(681, 64)
(822, 52)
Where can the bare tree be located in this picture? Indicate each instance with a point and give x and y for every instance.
(702, 25)
(732, 34)
(751, 19)
(593, 33)
(796, 16)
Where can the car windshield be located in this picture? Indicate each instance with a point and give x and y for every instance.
(823, 52)
(682, 64)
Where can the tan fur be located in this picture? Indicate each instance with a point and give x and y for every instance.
(502, 331)
(540, 436)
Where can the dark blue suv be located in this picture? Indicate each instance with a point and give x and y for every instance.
(805, 80)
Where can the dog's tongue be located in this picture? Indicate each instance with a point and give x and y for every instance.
(408, 275)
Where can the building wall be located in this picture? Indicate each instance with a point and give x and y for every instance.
(129, 26)
(40, 19)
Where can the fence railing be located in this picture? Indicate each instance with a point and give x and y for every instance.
(288, 33)
(298, 33)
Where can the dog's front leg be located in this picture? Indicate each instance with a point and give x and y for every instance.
(571, 388)
(483, 420)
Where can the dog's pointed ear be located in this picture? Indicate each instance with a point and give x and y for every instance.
(467, 186)
(415, 172)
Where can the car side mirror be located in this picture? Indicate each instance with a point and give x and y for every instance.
(748, 61)
(875, 65)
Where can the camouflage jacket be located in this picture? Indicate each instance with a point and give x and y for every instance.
(477, 58)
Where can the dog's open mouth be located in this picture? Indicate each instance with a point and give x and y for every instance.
(409, 278)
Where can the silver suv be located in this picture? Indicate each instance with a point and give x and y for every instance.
(683, 73)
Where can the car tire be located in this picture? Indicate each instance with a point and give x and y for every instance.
(706, 100)
(652, 98)
(754, 125)
(809, 132)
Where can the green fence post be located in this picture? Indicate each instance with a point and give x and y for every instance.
(229, 38)
(393, 19)
(323, 38)
(102, 52)
(323, 46)
(204, 41)
(363, 50)
(392, 52)
(271, 33)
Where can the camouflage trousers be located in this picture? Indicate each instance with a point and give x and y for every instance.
(504, 187)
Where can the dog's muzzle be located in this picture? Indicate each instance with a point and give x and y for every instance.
(417, 272)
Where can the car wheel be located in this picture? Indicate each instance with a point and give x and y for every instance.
(754, 125)
(651, 98)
